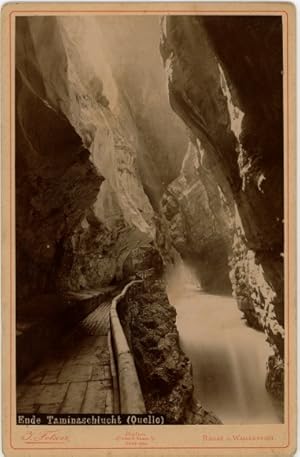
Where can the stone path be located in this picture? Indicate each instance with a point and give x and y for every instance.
(77, 377)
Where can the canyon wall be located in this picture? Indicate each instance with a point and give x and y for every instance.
(225, 82)
(110, 182)
(197, 223)
(70, 140)
(85, 184)
(94, 90)
(52, 169)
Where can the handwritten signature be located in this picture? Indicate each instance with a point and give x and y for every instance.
(44, 437)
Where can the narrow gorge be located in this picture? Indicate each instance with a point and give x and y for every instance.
(151, 148)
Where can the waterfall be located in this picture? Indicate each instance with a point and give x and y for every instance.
(228, 358)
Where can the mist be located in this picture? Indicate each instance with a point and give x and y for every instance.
(124, 53)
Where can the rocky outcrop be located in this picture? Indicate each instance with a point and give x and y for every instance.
(229, 93)
(143, 260)
(87, 262)
(96, 256)
(164, 371)
(198, 224)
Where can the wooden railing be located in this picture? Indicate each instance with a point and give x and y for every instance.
(130, 399)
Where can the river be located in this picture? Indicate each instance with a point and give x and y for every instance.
(228, 358)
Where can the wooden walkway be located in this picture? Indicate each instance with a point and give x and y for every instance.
(77, 377)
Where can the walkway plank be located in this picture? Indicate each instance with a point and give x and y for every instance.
(77, 379)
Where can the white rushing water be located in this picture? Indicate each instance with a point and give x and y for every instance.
(228, 358)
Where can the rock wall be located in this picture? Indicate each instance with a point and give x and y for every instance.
(164, 371)
(97, 102)
(161, 138)
(74, 131)
(225, 82)
(55, 184)
(90, 101)
(198, 224)
(95, 256)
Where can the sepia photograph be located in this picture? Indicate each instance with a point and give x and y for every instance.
(149, 217)
(151, 277)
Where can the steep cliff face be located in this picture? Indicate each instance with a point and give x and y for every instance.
(96, 96)
(80, 142)
(225, 82)
(161, 138)
(90, 101)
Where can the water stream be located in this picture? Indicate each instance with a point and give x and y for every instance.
(228, 358)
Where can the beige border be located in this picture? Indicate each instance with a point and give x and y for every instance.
(163, 440)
